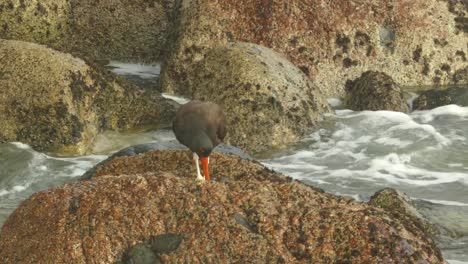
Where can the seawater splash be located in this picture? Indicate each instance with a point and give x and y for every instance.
(24, 171)
(144, 71)
(381, 148)
(424, 154)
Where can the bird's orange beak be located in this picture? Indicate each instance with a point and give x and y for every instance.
(206, 171)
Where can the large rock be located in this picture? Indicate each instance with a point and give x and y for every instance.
(441, 96)
(418, 42)
(124, 30)
(268, 101)
(56, 102)
(400, 206)
(248, 214)
(375, 91)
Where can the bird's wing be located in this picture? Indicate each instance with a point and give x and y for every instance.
(222, 131)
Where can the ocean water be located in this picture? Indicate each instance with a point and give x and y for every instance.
(423, 154)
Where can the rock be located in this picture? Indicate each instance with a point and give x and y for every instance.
(99, 219)
(461, 76)
(165, 243)
(375, 91)
(442, 96)
(55, 102)
(421, 42)
(172, 145)
(139, 254)
(267, 100)
(122, 30)
(401, 207)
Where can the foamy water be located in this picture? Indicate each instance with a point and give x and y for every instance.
(424, 154)
(24, 171)
(144, 71)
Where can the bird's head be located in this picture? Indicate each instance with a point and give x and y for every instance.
(203, 152)
(202, 145)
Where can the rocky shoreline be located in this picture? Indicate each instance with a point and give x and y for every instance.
(272, 67)
(247, 213)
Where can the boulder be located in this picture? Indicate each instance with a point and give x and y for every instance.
(420, 42)
(461, 76)
(58, 103)
(375, 91)
(122, 30)
(442, 96)
(401, 207)
(268, 101)
(254, 215)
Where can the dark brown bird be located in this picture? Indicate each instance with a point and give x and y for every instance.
(200, 126)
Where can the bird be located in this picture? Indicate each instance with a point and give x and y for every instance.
(200, 126)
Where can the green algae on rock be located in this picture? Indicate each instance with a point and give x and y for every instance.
(268, 101)
(100, 219)
(401, 207)
(57, 103)
(375, 91)
(440, 96)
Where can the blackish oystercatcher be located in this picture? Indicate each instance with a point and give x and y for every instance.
(200, 126)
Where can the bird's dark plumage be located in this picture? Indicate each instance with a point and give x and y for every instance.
(197, 118)
(200, 126)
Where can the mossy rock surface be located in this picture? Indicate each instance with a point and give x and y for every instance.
(268, 101)
(134, 30)
(442, 96)
(375, 91)
(56, 102)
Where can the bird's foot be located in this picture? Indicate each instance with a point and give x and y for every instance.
(200, 177)
(200, 180)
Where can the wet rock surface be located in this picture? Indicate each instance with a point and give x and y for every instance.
(123, 30)
(375, 91)
(58, 103)
(442, 96)
(420, 42)
(174, 145)
(267, 100)
(401, 207)
(101, 219)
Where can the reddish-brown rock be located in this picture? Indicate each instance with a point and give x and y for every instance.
(247, 214)
(331, 41)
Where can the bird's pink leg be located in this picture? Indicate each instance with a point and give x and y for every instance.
(199, 176)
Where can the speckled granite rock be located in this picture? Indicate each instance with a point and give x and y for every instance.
(58, 103)
(420, 42)
(375, 91)
(100, 219)
(269, 101)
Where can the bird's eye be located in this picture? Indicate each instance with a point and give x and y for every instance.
(202, 151)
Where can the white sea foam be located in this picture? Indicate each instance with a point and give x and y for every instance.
(14, 189)
(142, 70)
(334, 102)
(447, 110)
(444, 202)
(389, 141)
(453, 261)
(20, 145)
(178, 99)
